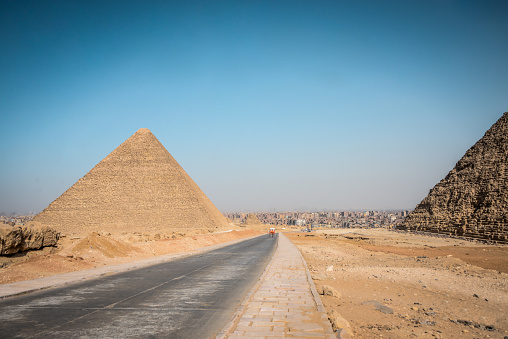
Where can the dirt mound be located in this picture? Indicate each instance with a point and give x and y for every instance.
(103, 244)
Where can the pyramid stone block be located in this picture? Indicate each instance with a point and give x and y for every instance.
(139, 186)
(472, 200)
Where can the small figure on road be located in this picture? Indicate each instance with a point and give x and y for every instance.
(272, 232)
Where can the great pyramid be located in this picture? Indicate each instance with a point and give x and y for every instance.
(139, 186)
(472, 200)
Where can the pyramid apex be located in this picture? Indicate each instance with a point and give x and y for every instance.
(143, 131)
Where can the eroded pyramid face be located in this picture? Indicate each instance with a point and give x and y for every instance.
(139, 186)
(472, 200)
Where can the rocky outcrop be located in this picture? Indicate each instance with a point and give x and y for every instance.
(14, 239)
(472, 200)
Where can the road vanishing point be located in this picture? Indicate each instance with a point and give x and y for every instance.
(191, 297)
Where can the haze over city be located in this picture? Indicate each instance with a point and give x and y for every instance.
(266, 105)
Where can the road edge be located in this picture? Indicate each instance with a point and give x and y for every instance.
(27, 286)
(240, 309)
(317, 299)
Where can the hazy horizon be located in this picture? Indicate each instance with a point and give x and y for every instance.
(14, 213)
(281, 105)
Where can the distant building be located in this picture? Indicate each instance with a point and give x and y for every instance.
(297, 222)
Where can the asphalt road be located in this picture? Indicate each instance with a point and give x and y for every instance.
(192, 297)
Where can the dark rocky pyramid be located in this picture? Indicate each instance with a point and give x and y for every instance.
(472, 200)
(137, 187)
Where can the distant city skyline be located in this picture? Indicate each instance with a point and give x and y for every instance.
(268, 105)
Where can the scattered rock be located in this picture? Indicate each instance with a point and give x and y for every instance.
(431, 313)
(473, 324)
(378, 306)
(319, 276)
(340, 325)
(330, 291)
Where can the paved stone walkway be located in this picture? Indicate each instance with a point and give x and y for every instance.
(284, 304)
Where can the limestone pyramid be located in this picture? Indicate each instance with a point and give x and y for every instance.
(252, 219)
(139, 186)
(472, 200)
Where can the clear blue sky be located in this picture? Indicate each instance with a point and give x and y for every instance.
(268, 105)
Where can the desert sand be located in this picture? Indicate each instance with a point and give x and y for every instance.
(396, 285)
(390, 284)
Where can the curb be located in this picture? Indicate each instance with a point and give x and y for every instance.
(317, 299)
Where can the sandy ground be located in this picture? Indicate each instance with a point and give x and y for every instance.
(102, 249)
(395, 285)
(392, 285)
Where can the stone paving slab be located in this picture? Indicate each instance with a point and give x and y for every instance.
(21, 287)
(284, 303)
